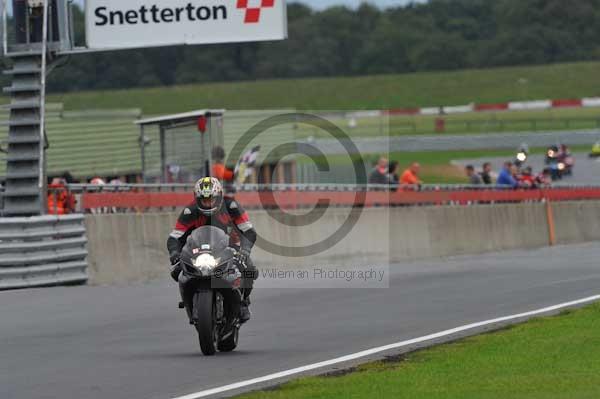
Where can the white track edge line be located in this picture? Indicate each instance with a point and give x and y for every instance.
(372, 351)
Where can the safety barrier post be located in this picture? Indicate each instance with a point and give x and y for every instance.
(549, 219)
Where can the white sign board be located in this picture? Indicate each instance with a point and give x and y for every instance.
(119, 24)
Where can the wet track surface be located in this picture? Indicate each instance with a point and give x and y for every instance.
(132, 342)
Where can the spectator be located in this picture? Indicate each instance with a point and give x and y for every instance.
(505, 178)
(393, 177)
(410, 177)
(174, 174)
(115, 181)
(380, 173)
(515, 171)
(474, 178)
(486, 175)
(527, 180)
(60, 200)
(544, 179)
(219, 170)
(564, 151)
(97, 181)
(68, 178)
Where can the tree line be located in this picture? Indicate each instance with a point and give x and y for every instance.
(438, 35)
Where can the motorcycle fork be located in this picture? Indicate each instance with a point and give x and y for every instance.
(220, 308)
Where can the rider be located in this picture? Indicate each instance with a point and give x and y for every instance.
(212, 208)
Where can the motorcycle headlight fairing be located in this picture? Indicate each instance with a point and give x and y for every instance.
(206, 263)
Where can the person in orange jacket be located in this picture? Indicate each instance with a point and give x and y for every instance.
(219, 170)
(60, 200)
(410, 177)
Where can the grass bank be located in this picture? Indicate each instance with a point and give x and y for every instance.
(572, 80)
(547, 358)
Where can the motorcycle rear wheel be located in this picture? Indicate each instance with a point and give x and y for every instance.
(206, 324)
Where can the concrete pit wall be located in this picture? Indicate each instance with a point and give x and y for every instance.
(576, 222)
(127, 248)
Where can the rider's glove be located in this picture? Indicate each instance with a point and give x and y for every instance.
(175, 272)
(175, 258)
(242, 256)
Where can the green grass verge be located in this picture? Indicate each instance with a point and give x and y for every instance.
(547, 358)
(574, 80)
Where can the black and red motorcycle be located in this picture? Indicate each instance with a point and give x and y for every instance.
(211, 289)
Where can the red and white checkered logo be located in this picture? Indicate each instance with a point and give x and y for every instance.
(253, 9)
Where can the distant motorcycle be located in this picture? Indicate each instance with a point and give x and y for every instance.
(569, 163)
(560, 161)
(595, 151)
(211, 289)
(521, 158)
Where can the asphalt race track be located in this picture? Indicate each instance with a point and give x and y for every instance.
(132, 342)
(587, 170)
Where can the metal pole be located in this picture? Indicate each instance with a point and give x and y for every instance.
(204, 156)
(163, 160)
(143, 152)
(42, 163)
(4, 28)
(211, 145)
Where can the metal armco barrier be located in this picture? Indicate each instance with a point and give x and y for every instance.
(42, 251)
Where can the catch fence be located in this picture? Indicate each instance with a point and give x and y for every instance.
(144, 198)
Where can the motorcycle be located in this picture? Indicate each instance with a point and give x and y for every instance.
(555, 162)
(211, 289)
(569, 164)
(521, 158)
(552, 155)
(560, 161)
(595, 151)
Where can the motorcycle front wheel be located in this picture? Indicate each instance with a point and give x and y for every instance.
(230, 343)
(206, 323)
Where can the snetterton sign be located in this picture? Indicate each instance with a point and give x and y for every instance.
(117, 24)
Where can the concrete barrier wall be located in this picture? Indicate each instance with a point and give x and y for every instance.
(576, 222)
(447, 231)
(130, 247)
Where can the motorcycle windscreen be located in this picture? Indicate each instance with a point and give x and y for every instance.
(207, 239)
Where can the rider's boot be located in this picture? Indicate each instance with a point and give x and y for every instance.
(245, 313)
